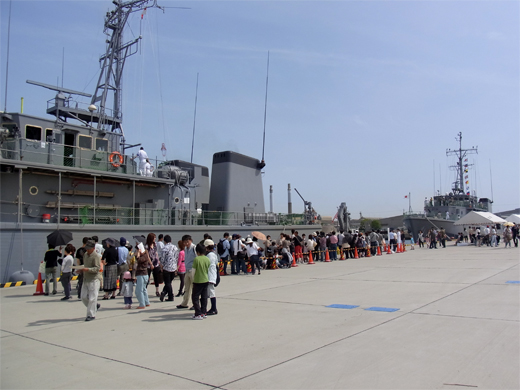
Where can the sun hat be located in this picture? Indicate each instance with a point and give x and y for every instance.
(209, 242)
(127, 275)
(90, 244)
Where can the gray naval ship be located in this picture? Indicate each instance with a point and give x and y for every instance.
(73, 171)
(441, 211)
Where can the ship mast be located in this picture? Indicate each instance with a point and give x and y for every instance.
(458, 185)
(112, 64)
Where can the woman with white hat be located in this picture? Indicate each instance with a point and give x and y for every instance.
(252, 253)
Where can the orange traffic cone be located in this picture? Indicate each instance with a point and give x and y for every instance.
(221, 268)
(388, 249)
(311, 261)
(356, 256)
(404, 247)
(39, 285)
(327, 258)
(368, 252)
(294, 261)
(378, 250)
(342, 257)
(248, 267)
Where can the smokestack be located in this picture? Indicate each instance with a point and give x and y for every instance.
(289, 203)
(271, 199)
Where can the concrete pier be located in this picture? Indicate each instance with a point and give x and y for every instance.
(439, 319)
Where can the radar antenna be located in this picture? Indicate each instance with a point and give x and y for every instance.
(462, 165)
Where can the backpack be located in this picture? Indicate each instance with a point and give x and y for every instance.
(220, 248)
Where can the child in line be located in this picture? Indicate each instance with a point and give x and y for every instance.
(128, 289)
(199, 295)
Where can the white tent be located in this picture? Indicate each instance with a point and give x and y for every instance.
(513, 218)
(479, 218)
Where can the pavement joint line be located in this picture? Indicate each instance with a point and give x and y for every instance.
(113, 360)
(315, 349)
(464, 288)
(466, 317)
(360, 332)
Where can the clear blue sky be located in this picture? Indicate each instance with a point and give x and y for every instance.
(364, 96)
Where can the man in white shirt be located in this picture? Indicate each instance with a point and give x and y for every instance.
(142, 161)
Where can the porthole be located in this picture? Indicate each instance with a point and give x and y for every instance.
(33, 190)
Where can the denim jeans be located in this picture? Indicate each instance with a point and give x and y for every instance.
(141, 292)
(333, 253)
(234, 265)
(65, 282)
(255, 261)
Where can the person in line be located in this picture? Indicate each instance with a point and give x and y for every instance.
(298, 249)
(91, 280)
(128, 289)
(213, 276)
(99, 250)
(143, 263)
(253, 255)
(240, 254)
(122, 262)
(333, 246)
(169, 260)
(51, 264)
(494, 237)
(508, 237)
(223, 248)
(420, 239)
(66, 270)
(79, 261)
(514, 232)
(109, 260)
(153, 253)
(199, 297)
(373, 239)
(181, 267)
(189, 256)
(233, 256)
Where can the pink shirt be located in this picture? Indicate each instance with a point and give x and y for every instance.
(333, 239)
(181, 267)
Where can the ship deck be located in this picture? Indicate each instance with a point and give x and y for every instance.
(456, 326)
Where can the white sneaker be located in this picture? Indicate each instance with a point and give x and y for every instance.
(197, 318)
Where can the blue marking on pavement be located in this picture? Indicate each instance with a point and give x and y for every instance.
(387, 309)
(513, 281)
(338, 306)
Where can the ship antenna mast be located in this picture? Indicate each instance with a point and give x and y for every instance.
(460, 168)
(262, 163)
(113, 61)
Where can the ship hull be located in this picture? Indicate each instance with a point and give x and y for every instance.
(416, 223)
(27, 244)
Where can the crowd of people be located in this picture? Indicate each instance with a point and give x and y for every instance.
(122, 269)
(490, 236)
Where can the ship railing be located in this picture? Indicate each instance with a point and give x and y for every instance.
(71, 103)
(60, 155)
(110, 213)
